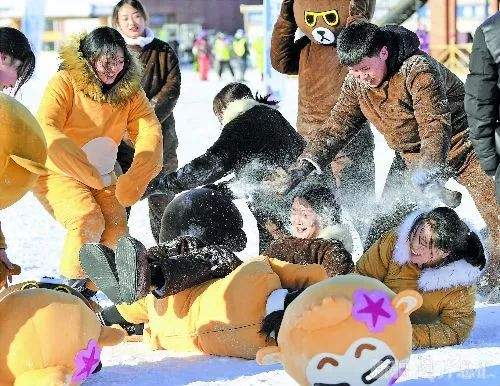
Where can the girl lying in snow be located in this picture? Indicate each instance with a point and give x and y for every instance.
(437, 254)
(318, 236)
(259, 310)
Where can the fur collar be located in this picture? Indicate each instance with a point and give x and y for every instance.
(337, 232)
(238, 107)
(455, 274)
(141, 41)
(86, 80)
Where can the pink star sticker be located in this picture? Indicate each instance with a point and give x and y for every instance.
(86, 361)
(374, 309)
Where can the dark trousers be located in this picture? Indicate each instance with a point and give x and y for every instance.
(156, 203)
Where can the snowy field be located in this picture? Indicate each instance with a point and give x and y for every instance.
(35, 241)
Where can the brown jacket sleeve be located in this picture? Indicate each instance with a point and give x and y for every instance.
(345, 121)
(432, 113)
(455, 324)
(331, 254)
(3, 245)
(375, 261)
(164, 102)
(285, 52)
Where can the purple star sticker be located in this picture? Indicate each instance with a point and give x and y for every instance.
(374, 309)
(86, 361)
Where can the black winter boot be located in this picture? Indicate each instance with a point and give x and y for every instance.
(134, 273)
(98, 262)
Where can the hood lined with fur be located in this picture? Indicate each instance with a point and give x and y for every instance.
(454, 274)
(238, 107)
(86, 80)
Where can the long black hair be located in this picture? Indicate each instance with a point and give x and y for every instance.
(134, 4)
(234, 91)
(450, 234)
(14, 43)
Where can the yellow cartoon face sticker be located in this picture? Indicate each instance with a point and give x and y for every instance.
(367, 361)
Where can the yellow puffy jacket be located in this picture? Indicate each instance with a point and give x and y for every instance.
(220, 317)
(75, 112)
(447, 313)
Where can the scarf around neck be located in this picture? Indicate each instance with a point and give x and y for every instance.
(141, 41)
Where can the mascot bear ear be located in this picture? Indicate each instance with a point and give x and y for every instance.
(32, 166)
(408, 301)
(268, 355)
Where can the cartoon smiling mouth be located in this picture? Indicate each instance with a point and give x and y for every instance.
(332, 384)
(377, 371)
(370, 376)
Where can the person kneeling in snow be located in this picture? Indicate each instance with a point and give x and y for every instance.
(318, 236)
(254, 136)
(195, 267)
(436, 253)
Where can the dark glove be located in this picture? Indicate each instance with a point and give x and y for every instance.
(163, 183)
(297, 173)
(287, 11)
(223, 188)
(431, 183)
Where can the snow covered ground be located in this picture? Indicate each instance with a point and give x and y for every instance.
(35, 241)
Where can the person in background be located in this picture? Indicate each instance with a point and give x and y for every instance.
(317, 233)
(223, 53)
(89, 105)
(437, 254)
(161, 81)
(17, 64)
(240, 49)
(203, 55)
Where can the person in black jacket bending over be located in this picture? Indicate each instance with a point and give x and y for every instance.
(255, 139)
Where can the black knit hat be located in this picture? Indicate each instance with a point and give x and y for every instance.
(207, 215)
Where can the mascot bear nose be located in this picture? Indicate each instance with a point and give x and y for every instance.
(321, 33)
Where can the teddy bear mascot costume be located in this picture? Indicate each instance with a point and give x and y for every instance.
(23, 152)
(313, 57)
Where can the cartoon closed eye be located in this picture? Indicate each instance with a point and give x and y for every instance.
(368, 361)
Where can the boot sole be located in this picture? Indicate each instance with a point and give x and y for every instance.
(100, 267)
(127, 266)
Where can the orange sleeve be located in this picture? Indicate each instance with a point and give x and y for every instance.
(145, 132)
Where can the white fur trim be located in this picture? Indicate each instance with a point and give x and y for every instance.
(458, 273)
(238, 107)
(141, 41)
(101, 152)
(338, 232)
(276, 301)
(318, 170)
(401, 252)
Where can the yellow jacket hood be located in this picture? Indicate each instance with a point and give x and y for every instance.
(86, 80)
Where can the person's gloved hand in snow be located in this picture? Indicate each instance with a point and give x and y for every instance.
(431, 184)
(285, 181)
